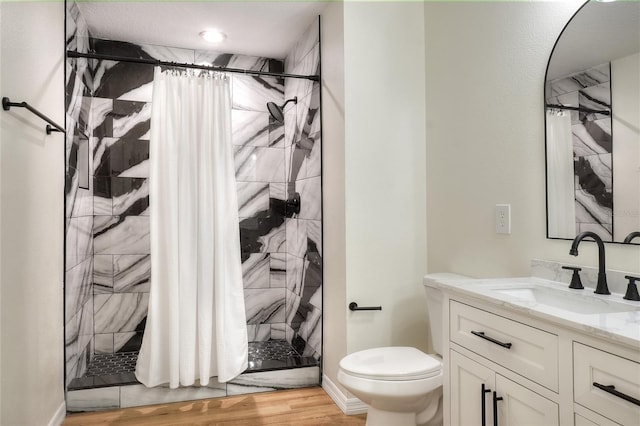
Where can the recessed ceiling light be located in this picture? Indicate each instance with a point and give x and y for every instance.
(212, 36)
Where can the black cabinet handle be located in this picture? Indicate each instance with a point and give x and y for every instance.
(353, 306)
(496, 398)
(484, 405)
(491, 339)
(612, 390)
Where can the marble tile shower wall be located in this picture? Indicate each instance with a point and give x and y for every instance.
(78, 205)
(304, 230)
(592, 146)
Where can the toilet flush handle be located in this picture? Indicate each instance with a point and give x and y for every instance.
(353, 306)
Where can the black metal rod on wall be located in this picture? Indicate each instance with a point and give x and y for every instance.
(73, 54)
(51, 127)
(579, 109)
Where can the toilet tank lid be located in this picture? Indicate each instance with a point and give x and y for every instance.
(391, 363)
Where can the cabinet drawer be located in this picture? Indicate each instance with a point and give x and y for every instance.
(593, 367)
(581, 421)
(593, 420)
(526, 350)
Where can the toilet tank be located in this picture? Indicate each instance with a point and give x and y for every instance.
(434, 305)
(436, 322)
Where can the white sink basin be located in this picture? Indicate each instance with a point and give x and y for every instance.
(576, 301)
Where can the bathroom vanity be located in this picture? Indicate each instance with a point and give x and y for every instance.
(532, 351)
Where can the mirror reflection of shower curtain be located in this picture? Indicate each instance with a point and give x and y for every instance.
(196, 324)
(560, 176)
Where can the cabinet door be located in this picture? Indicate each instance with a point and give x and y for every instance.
(468, 380)
(521, 407)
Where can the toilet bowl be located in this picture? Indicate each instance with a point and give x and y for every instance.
(401, 385)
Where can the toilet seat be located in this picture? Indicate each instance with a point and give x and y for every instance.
(391, 364)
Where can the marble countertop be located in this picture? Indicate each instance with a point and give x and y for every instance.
(563, 306)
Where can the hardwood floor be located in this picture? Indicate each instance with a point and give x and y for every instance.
(306, 407)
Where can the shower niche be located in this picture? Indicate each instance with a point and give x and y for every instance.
(107, 248)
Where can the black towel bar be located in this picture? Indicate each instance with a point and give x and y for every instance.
(51, 127)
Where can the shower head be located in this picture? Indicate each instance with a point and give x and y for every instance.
(277, 112)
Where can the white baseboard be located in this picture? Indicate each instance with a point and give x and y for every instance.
(350, 406)
(59, 415)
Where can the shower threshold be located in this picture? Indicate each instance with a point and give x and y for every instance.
(117, 369)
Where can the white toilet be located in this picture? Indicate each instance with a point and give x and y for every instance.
(401, 385)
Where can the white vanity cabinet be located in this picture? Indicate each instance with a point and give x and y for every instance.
(505, 367)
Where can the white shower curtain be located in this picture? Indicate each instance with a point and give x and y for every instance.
(196, 325)
(560, 176)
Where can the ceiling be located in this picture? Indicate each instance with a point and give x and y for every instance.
(257, 28)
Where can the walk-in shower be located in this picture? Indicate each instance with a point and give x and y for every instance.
(278, 181)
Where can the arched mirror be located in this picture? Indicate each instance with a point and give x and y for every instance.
(592, 118)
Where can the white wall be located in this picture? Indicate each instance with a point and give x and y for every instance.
(485, 137)
(1, 91)
(625, 98)
(373, 177)
(32, 180)
(333, 169)
(385, 187)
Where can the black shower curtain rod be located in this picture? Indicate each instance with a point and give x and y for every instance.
(73, 54)
(572, 108)
(51, 127)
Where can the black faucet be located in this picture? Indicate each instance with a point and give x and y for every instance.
(602, 287)
(631, 236)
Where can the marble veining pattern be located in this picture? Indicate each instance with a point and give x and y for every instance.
(303, 277)
(259, 332)
(131, 273)
(273, 380)
(130, 196)
(253, 92)
(591, 139)
(78, 319)
(252, 198)
(121, 235)
(589, 211)
(592, 146)
(274, 241)
(256, 271)
(250, 128)
(119, 312)
(278, 270)
(264, 306)
(259, 164)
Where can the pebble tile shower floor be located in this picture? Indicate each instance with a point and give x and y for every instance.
(120, 362)
(125, 362)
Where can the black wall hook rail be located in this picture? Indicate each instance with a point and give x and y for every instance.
(353, 306)
(51, 127)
